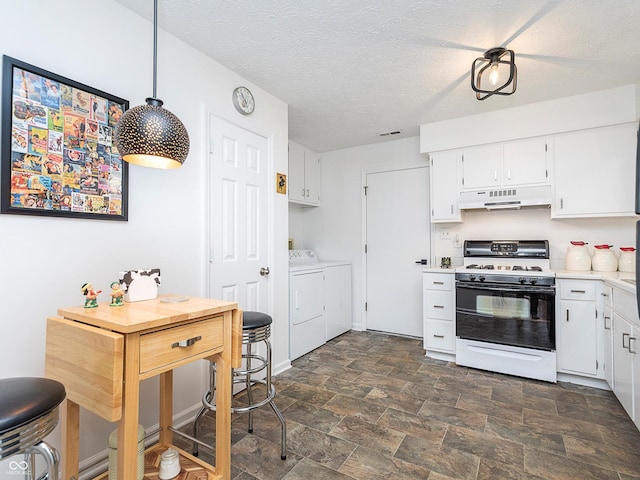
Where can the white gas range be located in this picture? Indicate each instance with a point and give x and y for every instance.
(505, 308)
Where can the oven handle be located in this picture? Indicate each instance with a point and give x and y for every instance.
(507, 288)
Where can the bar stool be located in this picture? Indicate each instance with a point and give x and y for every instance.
(28, 413)
(256, 327)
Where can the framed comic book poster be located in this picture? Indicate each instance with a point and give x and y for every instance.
(58, 153)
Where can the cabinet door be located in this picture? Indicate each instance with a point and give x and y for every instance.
(297, 189)
(594, 172)
(482, 167)
(443, 179)
(623, 361)
(577, 344)
(311, 177)
(525, 162)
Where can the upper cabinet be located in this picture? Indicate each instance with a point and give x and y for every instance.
(443, 179)
(594, 172)
(304, 175)
(516, 163)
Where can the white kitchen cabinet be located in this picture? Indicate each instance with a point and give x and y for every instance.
(304, 175)
(626, 336)
(443, 179)
(510, 164)
(594, 172)
(438, 304)
(338, 302)
(606, 326)
(576, 328)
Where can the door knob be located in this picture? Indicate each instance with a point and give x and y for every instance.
(264, 271)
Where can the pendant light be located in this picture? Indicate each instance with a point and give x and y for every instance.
(150, 135)
(492, 73)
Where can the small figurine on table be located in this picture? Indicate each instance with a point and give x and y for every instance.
(91, 300)
(117, 295)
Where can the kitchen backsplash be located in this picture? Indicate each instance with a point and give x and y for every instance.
(534, 224)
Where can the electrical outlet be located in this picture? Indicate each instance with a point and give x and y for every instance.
(445, 235)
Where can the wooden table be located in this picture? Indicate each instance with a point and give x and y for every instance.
(101, 354)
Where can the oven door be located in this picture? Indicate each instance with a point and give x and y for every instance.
(520, 315)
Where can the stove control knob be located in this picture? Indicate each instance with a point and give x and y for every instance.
(522, 280)
(472, 278)
(481, 278)
(533, 281)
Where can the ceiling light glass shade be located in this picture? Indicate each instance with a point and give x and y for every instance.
(494, 74)
(152, 136)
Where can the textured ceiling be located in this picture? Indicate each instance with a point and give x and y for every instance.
(351, 69)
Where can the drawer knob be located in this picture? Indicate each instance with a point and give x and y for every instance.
(186, 343)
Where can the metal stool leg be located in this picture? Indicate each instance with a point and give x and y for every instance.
(207, 402)
(276, 410)
(51, 457)
(249, 386)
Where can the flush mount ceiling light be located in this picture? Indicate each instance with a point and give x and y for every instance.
(493, 73)
(150, 135)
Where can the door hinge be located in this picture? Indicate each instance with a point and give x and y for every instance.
(366, 306)
(463, 181)
(596, 312)
(546, 148)
(211, 147)
(365, 190)
(596, 364)
(546, 173)
(365, 248)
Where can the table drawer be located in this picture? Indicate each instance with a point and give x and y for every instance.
(165, 349)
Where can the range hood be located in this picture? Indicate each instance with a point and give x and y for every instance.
(505, 198)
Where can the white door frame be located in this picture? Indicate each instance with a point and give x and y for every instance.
(363, 235)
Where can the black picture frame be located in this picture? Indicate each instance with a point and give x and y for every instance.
(58, 154)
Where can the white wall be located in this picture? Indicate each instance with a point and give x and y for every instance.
(334, 229)
(44, 261)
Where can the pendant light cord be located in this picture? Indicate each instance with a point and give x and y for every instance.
(155, 47)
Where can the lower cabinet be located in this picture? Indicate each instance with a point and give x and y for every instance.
(626, 334)
(606, 326)
(438, 306)
(577, 334)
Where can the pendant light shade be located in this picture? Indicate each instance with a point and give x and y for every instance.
(493, 73)
(150, 135)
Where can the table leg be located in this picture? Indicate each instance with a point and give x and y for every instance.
(70, 423)
(128, 426)
(166, 407)
(224, 388)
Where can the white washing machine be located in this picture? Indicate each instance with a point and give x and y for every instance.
(307, 321)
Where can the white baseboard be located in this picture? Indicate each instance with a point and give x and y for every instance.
(586, 381)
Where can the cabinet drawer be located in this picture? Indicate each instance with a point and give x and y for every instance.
(624, 305)
(438, 305)
(166, 349)
(577, 290)
(437, 281)
(439, 335)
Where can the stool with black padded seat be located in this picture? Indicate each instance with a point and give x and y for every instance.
(256, 327)
(28, 413)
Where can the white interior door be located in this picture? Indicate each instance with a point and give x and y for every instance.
(238, 219)
(397, 235)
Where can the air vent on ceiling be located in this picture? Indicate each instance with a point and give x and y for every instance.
(386, 134)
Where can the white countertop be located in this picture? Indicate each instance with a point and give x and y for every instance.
(613, 278)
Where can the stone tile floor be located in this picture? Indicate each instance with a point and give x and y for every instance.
(371, 406)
